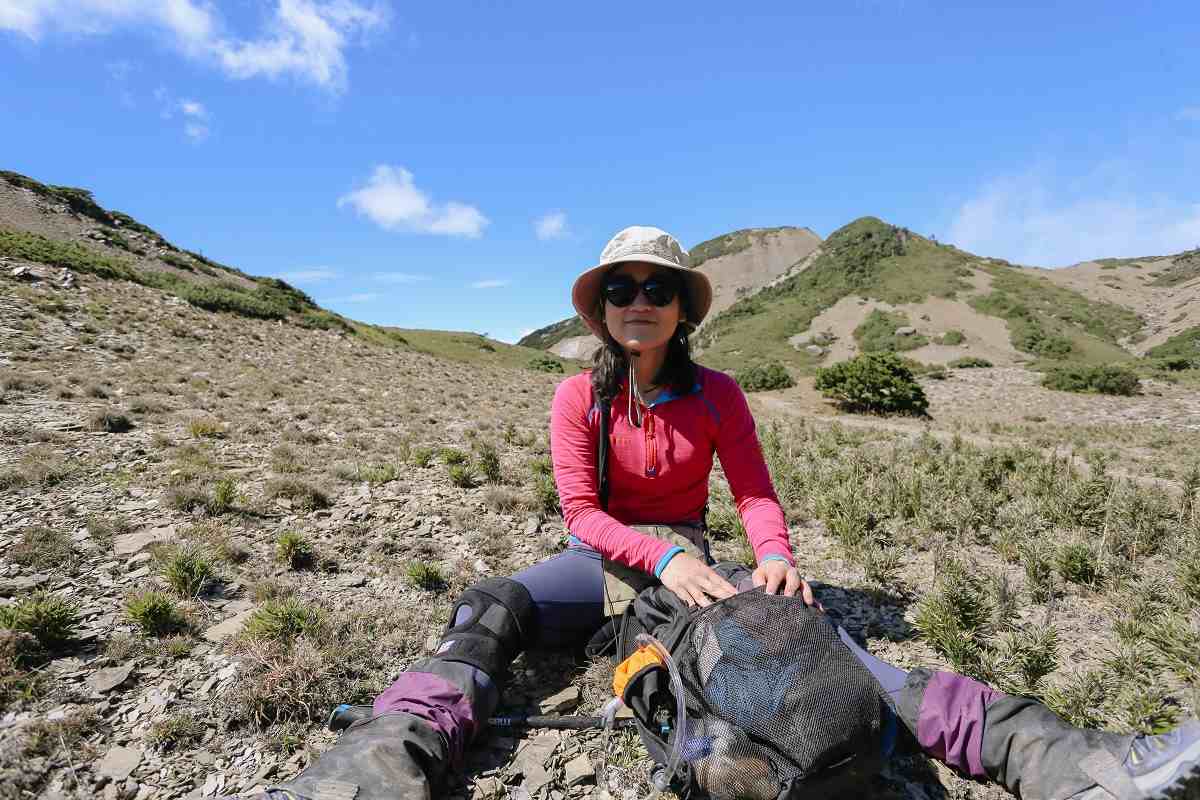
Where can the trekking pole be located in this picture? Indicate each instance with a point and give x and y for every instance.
(346, 715)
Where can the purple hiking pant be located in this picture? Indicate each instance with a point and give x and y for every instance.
(568, 591)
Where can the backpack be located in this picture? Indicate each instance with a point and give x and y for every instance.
(777, 705)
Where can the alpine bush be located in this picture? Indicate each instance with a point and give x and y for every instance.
(1102, 379)
(877, 383)
(969, 362)
(764, 377)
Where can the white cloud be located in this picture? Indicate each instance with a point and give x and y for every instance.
(393, 202)
(1190, 114)
(551, 226)
(196, 125)
(304, 39)
(399, 277)
(1033, 219)
(490, 284)
(308, 275)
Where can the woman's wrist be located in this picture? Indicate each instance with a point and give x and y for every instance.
(666, 559)
(775, 557)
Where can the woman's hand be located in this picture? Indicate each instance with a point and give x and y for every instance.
(778, 577)
(694, 582)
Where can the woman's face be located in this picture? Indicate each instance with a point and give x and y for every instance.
(641, 325)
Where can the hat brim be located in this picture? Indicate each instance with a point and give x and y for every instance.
(585, 294)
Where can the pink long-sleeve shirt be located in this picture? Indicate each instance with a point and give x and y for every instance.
(659, 473)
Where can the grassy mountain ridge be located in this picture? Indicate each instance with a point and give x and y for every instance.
(877, 261)
(64, 227)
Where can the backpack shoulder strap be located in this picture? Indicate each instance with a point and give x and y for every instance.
(602, 453)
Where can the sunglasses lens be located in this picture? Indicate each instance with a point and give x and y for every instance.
(659, 292)
(620, 292)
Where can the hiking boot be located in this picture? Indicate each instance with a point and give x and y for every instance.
(393, 756)
(1167, 766)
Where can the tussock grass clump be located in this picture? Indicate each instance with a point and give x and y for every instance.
(103, 529)
(952, 338)
(954, 616)
(545, 364)
(1095, 379)
(224, 496)
(878, 333)
(422, 456)
(109, 421)
(424, 575)
(764, 377)
(296, 678)
(180, 731)
(452, 456)
(285, 459)
(1039, 570)
(503, 499)
(204, 428)
(303, 495)
(1077, 562)
(52, 622)
(41, 547)
(39, 466)
(462, 476)
(284, 620)
(293, 549)
(188, 571)
(487, 462)
(187, 497)
(272, 589)
(378, 474)
(155, 613)
(545, 495)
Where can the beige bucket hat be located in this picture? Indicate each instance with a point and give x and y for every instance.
(650, 245)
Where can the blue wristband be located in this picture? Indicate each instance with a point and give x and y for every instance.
(666, 559)
(775, 557)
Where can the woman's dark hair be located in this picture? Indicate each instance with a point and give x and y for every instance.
(678, 371)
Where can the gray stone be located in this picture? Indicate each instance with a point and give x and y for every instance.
(222, 631)
(131, 543)
(119, 763)
(560, 703)
(531, 761)
(531, 526)
(105, 680)
(907, 330)
(13, 587)
(815, 349)
(578, 771)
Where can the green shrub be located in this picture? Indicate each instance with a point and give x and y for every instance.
(764, 377)
(154, 612)
(877, 333)
(545, 364)
(232, 300)
(953, 616)
(425, 576)
(874, 383)
(969, 362)
(422, 456)
(1102, 379)
(187, 571)
(49, 619)
(952, 338)
(377, 474)
(283, 620)
(451, 455)
(32, 247)
(294, 550)
(177, 732)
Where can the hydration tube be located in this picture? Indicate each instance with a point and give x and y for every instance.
(661, 778)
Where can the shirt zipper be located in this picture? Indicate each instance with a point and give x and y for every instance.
(651, 444)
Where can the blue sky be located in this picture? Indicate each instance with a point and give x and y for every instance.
(454, 165)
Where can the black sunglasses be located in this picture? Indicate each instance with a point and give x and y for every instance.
(622, 290)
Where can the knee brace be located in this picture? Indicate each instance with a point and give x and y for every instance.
(499, 623)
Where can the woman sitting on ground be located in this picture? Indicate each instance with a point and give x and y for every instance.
(668, 418)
